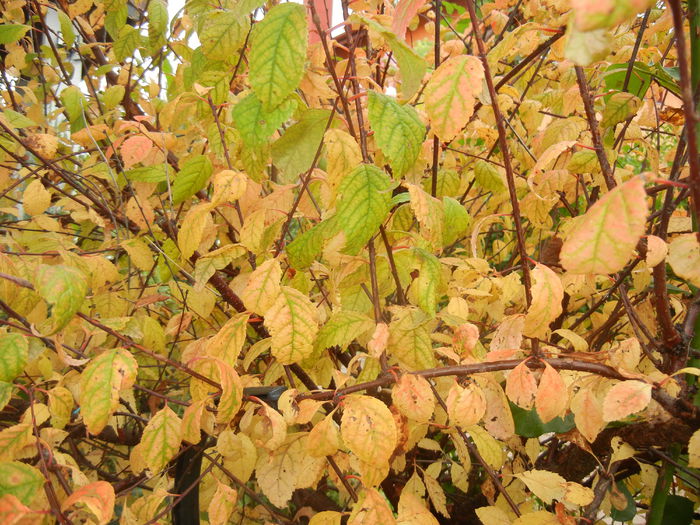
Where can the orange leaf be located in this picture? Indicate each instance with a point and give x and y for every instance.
(98, 497)
(135, 149)
(465, 406)
(521, 386)
(588, 414)
(552, 395)
(413, 397)
(625, 398)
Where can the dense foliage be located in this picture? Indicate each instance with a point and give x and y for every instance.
(461, 236)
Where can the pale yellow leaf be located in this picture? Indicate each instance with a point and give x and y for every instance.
(694, 450)
(293, 324)
(36, 199)
(657, 249)
(263, 287)
(578, 494)
(371, 509)
(412, 510)
(547, 295)
(546, 485)
(222, 504)
(684, 257)
(492, 516)
(192, 229)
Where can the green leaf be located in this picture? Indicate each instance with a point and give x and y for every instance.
(113, 96)
(639, 80)
(20, 480)
(363, 203)
(342, 328)
(257, 125)
(5, 393)
(457, 221)
(66, 28)
(584, 161)
(14, 352)
(302, 251)
(278, 53)
(619, 108)
(100, 384)
(161, 439)
(126, 43)
(155, 173)
(487, 176)
(398, 131)
(157, 24)
(11, 33)
(678, 511)
(528, 423)
(293, 153)
(74, 102)
(426, 284)
(17, 120)
(222, 35)
(630, 511)
(191, 178)
(64, 288)
(293, 323)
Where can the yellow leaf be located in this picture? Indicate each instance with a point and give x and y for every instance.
(293, 324)
(228, 341)
(413, 397)
(578, 342)
(371, 509)
(465, 405)
(263, 287)
(578, 494)
(140, 254)
(521, 386)
(327, 517)
(101, 383)
(546, 485)
(436, 494)
(192, 422)
(412, 510)
(192, 229)
(498, 419)
(60, 406)
(684, 257)
(488, 447)
(552, 395)
(604, 239)
(694, 450)
(277, 472)
(343, 155)
(547, 295)
(428, 211)
(625, 398)
(222, 504)
(368, 429)
(492, 516)
(97, 497)
(240, 454)
(36, 199)
(324, 438)
(229, 186)
(161, 439)
(540, 517)
(13, 439)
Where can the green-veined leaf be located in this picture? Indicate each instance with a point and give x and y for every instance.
(293, 324)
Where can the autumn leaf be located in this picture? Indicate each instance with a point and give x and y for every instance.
(293, 323)
(451, 93)
(521, 386)
(547, 295)
(604, 239)
(413, 397)
(14, 353)
(368, 429)
(684, 257)
(465, 405)
(546, 485)
(626, 398)
(101, 383)
(552, 395)
(64, 288)
(97, 497)
(161, 439)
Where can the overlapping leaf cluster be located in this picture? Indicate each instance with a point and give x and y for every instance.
(469, 253)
